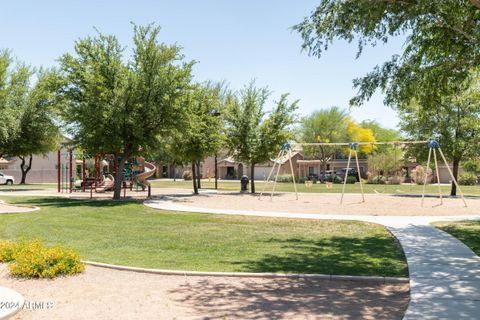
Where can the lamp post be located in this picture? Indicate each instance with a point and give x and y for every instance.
(216, 113)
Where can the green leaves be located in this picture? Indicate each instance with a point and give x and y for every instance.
(253, 135)
(115, 104)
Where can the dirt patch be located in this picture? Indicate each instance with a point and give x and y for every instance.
(375, 204)
(7, 208)
(101, 293)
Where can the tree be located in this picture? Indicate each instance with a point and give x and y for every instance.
(118, 107)
(455, 123)
(440, 52)
(201, 133)
(381, 133)
(324, 126)
(253, 135)
(332, 125)
(37, 131)
(14, 86)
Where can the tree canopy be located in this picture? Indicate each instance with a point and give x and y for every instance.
(14, 86)
(440, 50)
(37, 131)
(118, 104)
(253, 135)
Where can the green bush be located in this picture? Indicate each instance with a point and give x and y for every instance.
(285, 178)
(378, 180)
(31, 259)
(302, 179)
(187, 175)
(467, 179)
(351, 180)
(334, 179)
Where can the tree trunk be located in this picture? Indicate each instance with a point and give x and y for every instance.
(25, 170)
(117, 191)
(199, 177)
(456, 164)
(194, 179)
(252, 177)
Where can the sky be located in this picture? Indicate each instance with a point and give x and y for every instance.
(232, 40)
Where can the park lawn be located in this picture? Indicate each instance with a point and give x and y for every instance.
(29, 186)
(466, 231)
(320, 188)
(129, 233)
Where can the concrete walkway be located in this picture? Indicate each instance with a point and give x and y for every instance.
(444, 273)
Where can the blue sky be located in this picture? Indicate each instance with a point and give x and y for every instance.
(232, 40)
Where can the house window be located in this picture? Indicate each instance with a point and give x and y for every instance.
(311, 170)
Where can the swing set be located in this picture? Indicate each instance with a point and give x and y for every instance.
(433, 148)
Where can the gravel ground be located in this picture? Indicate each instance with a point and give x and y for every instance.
(375, 204)
(101, 293)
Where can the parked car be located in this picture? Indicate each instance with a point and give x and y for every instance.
(4, 179)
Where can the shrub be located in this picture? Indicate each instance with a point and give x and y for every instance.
(187, 175)
(395, 179)
(334, 179)
(302, 179)
(6, 251)
(351, 180)
(467, 179)
(378, 180)
(31, 259)
(418, 175)
(285, 178)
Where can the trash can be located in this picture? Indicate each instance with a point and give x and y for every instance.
(244, 183)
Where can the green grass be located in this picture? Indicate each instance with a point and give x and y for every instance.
(129, 233)
(321, 188)
(466, 231)
(29, 186)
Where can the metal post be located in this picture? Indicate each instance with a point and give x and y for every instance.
(293, 174)
(359, 176)
(58, 171)
(84, 175)
(438, 176)
(426, 173)
(216, 172)
(346, 175)
(268, 178)
(453, 178)
(276, 176)
(70, 170)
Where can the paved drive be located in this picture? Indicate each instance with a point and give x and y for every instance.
(444, 273)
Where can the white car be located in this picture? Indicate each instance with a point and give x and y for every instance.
(4, 179)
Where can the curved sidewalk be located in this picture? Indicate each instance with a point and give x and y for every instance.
(444, 273)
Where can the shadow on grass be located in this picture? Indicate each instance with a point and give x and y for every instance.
(66, 202)
(466, 231)
(282, 298)
(375, 256)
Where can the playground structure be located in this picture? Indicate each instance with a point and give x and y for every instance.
(83, 173)
(433, 148)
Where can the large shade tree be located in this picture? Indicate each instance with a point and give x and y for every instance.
(442, 47)
(14, 87)
(455, 123)
(123, 104)
(38, 132)
(253, 135)
(201, 133)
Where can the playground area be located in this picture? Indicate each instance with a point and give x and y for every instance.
(375, 204)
